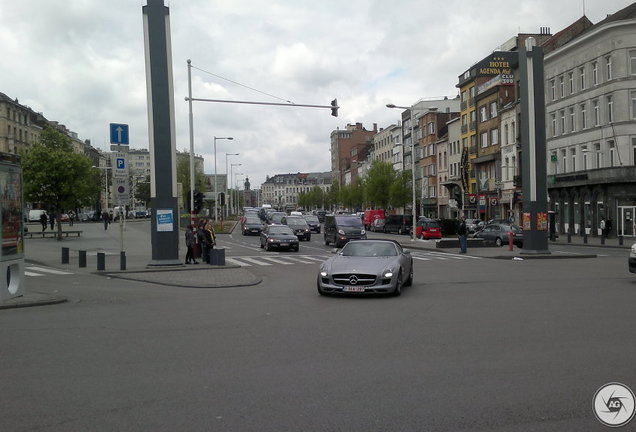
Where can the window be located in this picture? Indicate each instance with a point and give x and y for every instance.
(571, 82)
(583, 117)
(505, 137)
(553, 89)
(608, 67)
(493, 109)
(612, 153)
(599, 155)
(464, 120)
(464, 96)
(484, 139)
(494, 137)
(564, 161)
(514, 132)
(573, 153)
(572, 120)
(555, 163)
(584, 151)
(595, 113)
(554, 124)
(562, 117)
(633, 151)
(483, 114)
(595, 73)
(582, 78)
(472, 92)
(562, 86)
(431, 128)
(633, 96)
(610, 109)
(632, 62)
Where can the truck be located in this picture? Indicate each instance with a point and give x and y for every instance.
(371, 215)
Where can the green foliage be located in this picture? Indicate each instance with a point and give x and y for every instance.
(56, 176)
(379, 180)
(400, 191)
(183, 177)
(142, 191)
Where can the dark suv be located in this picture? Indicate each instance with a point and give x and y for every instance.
(401, 224)
(339, 229)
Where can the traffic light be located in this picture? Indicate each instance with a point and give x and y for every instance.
(222, 198)
(334, 109)
(198, 201)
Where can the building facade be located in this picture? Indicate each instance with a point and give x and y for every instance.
(347, 148)
(281, 191)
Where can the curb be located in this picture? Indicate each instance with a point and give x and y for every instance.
(32, 299)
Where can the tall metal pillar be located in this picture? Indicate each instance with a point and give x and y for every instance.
(161, 133)
(533, 158)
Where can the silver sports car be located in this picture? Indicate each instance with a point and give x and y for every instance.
(367, 267)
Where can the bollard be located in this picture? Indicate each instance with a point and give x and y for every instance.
(510, 242)
(101, 261)
(64, 255)
(584, 238)
(122, 260)
(82, 258)
(620, 240)
(569, 237)
(602, 239)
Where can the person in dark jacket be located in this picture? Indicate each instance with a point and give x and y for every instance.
(462, 233)
(52, 218)
(43, 221)
(190, 241)
(203, 241)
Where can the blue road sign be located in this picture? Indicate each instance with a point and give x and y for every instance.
(121, 163)
(119, 133)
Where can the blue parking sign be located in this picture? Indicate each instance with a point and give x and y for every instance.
(119, 133)
(121, 163)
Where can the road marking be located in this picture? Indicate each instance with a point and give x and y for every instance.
(237, 262)
(28, 273)
(48, 270)
(299, 259)
(421, 258)
(254, 261)
(277, 261)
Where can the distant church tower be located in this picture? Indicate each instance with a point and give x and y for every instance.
(247, 183)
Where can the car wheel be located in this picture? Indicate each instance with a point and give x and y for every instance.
(409, 281)
(400, 231)
(498, 242)
(326, 241)
(297, 249)
(398, 285)
(308, 238)
(262, 245)
(268, 247)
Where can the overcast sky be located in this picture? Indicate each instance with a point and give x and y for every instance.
(81, 62)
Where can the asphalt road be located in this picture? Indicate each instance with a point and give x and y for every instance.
(473, 345)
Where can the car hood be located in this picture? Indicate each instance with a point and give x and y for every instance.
(283, 237)
(370, 265)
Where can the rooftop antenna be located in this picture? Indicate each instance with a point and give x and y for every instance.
(583, 1)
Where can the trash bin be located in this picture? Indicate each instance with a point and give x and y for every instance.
(217, 256)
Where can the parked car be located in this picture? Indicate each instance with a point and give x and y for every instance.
(279, 237)
(371, 215)
(275, 217)
(428, 229)
(64, 217)
(339, 229)
(474, 225)
(367, 267)
(34, 215)
(401, 224)
(499, 234)
(631, 261)
(313, 222)
(378, 225)
(251, 225)
(299, 226)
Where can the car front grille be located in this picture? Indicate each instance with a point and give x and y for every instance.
(350, 278)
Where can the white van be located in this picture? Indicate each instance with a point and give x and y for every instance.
(34, 215)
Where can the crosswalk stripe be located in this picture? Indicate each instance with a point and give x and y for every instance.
(48, 270)
(318, 258)
(237, 262)
(277, 261)
(299, 259)
(255, 261)
(28, 273)
(421, 258)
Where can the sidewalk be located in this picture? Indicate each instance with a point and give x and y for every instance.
(137, 246)
(503, 252)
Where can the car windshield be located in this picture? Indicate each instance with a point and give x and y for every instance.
(252, 220)
(349, 221)
(280, 230)
(369, 249)
(311, 219)
(299, 222)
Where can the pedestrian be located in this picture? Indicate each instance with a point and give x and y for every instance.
(71, 218)
(462, 233)
(203, 242)
(602, 226)
(608, 227)
(210, 234)
(52, 217)
(106, 219)
(43, 221)
(190, 241)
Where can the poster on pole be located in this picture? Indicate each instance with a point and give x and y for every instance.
(165, 220)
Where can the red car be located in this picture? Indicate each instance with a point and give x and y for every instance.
(428, 229)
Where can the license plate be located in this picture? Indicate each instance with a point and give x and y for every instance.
(284, 244)
(353, 289)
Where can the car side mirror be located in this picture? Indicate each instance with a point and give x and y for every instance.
(334, 250)
(406, 251)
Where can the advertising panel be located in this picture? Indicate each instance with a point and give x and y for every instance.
(10, 210)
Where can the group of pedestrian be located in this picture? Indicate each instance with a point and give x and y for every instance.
(47, 220)
(202, 236)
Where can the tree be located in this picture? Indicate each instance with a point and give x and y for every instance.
(183, 177)
(400, 190)
(380, 177)
(56, 176)
(142, 191)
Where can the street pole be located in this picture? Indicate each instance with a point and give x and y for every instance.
(216, 194)
(237, 200)
(226, 182)
(191, 121)
(230, 183)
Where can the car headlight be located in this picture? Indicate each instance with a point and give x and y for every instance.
(633, 250)
(363, 232)
(387, 273)
(323, 273)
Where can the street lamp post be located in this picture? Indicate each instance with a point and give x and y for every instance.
(226, 181)
(238, 195)
(231, 202)
(105, 168)
(216, 195)
(411, 109)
